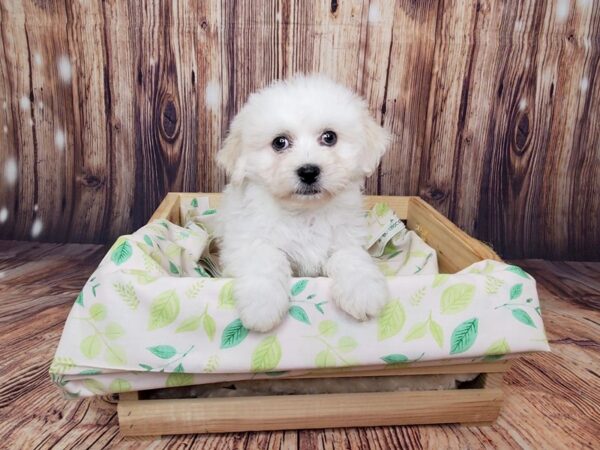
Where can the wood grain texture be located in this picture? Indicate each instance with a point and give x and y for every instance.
(284, 412)
(551, 399)
(492, 108)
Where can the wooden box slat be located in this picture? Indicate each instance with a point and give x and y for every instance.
(219, 415)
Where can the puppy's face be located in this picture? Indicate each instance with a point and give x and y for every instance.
(304, 140)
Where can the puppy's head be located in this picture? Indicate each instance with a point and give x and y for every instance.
(305, 139)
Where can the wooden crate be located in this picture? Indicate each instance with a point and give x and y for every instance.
(479, 403)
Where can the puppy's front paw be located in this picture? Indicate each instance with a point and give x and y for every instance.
(261, 302)
(362, 294)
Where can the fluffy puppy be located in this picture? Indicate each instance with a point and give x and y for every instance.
(297, 155)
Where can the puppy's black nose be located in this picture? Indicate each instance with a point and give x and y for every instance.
(308, 173)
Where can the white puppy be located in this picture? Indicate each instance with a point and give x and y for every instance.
(297, 155)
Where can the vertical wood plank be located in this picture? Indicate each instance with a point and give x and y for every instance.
(447, 100)
(18, 145)
(53, 115)
(569, 202)
(10, 82)
(119, 36)
(212, 95)
(406, 93)
(166, 136)
(374, 77)
(586, 160)
(91, 150)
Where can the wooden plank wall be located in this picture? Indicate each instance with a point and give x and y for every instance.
(493, 105)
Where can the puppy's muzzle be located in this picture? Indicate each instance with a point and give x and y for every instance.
(308, 173)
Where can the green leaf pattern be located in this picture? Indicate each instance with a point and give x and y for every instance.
(464, 335)
(226, 300)
(298, 287)
(233, 334)
(497, 350)
(515, 291)
(121, 251)
(391, 320)
(127, 293)
(163, 310)
(266, 355)
(457, 298)
(298, 313)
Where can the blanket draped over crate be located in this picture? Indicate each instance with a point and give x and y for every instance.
(156, 314)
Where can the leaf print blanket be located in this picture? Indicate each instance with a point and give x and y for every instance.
(155, 314)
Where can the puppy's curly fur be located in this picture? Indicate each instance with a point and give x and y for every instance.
(297, 155)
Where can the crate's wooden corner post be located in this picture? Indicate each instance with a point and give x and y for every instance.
(168, 208)
(455, 249)
(491, 382)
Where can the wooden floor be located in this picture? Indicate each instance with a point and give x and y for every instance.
(553, 399)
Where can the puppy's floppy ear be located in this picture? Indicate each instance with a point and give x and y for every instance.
(230, 156)
(376, 140)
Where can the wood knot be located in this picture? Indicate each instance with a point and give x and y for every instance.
(204, 24)
(521, 135)
(92, 181)
(436, 194)
(168, 119)
(334, 6)
(500, 90)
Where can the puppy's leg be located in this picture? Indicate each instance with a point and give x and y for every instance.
(262, 279)
(358, 286)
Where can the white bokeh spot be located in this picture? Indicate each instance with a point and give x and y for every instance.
(36, 228)
(584, 84)
(519, 25)
(64, 68)
(584, 4)
(59, 139)
(212, 96)
(374, 13)
(5, 129)
(11, 171)
(25, 103)
(37, 59)
(523, 104)
(3, 214)
(562, 10)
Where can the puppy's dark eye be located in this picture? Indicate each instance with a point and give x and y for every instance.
(280, 143)
(328, 138)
